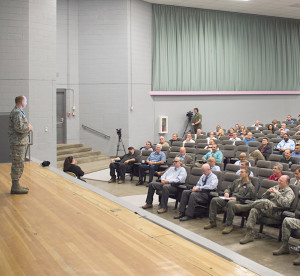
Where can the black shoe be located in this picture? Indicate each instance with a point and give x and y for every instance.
(179, 216)
(185, 218)
(139, 183)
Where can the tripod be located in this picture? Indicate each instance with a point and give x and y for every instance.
(118, 147)
(187, 125)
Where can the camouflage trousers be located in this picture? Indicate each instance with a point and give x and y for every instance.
(261, 208)
(17, 155)
(288, 225)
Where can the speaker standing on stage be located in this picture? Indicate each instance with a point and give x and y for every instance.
(18, 135)
(197, 120)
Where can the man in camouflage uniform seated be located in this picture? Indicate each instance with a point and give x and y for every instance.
(280, 195)
(18, 134)
(288, 225)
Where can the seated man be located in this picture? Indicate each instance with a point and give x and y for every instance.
(244, 164)
(289, 119)
(211, 137)
(285, 143)
(263, 152)
(283, 127)
(209, 146)
(217, 154)
(173, 177)
(296, 152)
(280, 195)
(277, 169)
(198, 133)
(287, 158)
(296, 180)
(154, 161)
(282, 132)
(163, 142)
(243, 157)
(249, 138)
(288, 225)
(198, 195)
(234, 138)
(148, 146)
(237, 128)
(125, 164)
(186, 159)
(188, 139)
(212, 163)
(239, 189)
(174, 138)
(256, 125)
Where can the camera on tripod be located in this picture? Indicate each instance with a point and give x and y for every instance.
(119, 132)
(189, 114)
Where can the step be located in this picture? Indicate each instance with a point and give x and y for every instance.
(72, 151)
(68, 146)
(77, 155)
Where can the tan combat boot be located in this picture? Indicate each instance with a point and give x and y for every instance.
(16, 188)
(211, 224)
(284, 249)
(297, 261)
(249, 237)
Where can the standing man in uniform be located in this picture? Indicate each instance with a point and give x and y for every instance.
(18, 135)
(197, 120)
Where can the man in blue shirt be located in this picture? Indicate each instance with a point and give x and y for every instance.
(249, 138)
(296, 152)
(153, 163)
(198, 195)
(173, 177)
(285, 143)
(217, 154)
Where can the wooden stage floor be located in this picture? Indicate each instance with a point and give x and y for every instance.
(61, 228)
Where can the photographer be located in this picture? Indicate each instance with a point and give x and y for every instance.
(196, 120)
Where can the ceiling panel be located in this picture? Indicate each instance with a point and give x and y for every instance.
(280, 8)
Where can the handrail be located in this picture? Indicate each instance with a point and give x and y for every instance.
(95, 131)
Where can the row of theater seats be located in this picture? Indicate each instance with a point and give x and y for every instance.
(225, 178)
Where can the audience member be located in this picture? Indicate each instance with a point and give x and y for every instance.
(256, 125)
(277, 169)
(212, 163)
(186, 159)
(237, 128)
(209, 146)
(288, 225)
(198, 195)
(198, 134)
(271, 127)
(280, 195)
(287, 158)
(70, 165)
(289, 119)
(231, 131)
(282, 132)
(244, 134)
(275, 123)
(217, 154)
(173, 177)
(188, 139)
(296, 180)
(220, 133)
(234, 138)
(242, 157)
(197, 120)
(285, 143)
(283, 127)
(174, 138)
(163, 142)
(263, 152)
(296, 152)
(239, 189)
(244, 164)
(148, 146)
(153, 163)
(242, 128)
(249, 138)
(211, 137)
(123, 164)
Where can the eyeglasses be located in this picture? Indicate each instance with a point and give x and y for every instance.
(175, 161)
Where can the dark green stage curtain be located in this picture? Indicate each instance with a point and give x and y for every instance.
(203, 50)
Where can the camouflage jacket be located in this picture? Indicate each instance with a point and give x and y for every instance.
(241, 190)
(18, 129)
(284, 198)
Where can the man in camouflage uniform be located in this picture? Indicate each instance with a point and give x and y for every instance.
(280, 195)
(288, 225)
(239, 189)
(18, 135)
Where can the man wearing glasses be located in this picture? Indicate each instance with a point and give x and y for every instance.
(170, 180)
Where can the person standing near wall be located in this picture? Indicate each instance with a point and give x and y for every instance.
(197, 120)
(18, 135)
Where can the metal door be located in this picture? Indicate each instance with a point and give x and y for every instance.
(61, 115)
